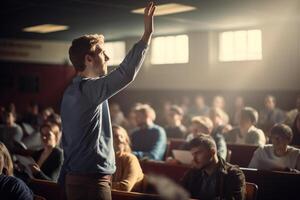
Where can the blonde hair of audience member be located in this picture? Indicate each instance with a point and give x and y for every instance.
(6, 164)
(218, 102)
(218, 117)
(121, 140)
(201, 124)
(145, 115)
(129, 175)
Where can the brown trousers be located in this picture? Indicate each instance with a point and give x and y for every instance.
(88, 187)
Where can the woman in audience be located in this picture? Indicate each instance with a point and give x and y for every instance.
(129, 175)
(10, 186)
(50, 158)
(279, 155)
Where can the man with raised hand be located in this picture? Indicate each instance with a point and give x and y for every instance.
(87, 138)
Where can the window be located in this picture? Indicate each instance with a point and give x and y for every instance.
(170, 50)
(240, 45)
(115, 52)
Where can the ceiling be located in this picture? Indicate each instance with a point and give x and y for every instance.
(114, 20)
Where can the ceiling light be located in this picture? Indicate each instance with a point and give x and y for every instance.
(166, 9)
(45, 28)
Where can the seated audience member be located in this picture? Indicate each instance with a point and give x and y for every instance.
(270, 115)
(49, 159)
(239, 104)
(175, 128)
(128, 175)
(200, 109)
(296, 131)
(203, 125)
(46, 113)
(11, 133)
(219, 103)
(149, 141)
(116, 115)
(32, 116)
(278, 155)
(292, 114)
(212, 177)
(246, 133)
(10, 186)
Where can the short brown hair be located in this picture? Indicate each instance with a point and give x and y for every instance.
(82, 46)
(283, 131)
(203, 140)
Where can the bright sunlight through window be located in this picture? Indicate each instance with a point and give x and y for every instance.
(170, 50)
(240, 45)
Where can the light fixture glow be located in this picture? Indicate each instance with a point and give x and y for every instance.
(45, 28)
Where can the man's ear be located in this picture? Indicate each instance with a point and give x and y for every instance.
(88, 59)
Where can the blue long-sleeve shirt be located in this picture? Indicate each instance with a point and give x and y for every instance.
(150, 142)
(86, 126)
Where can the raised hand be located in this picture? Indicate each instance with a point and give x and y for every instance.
(148, 22)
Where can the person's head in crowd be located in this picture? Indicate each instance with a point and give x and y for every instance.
(145, 115)
(218, 117)
(281, 136)
(50, 134)
(55, 119)
(34, 108)
(9, 118)
(175, 116)
(201, 125)
(270, 102)
(248, 118)
(121, 139)
(11, 107)
(239, 102)
(88, 56)
(200, 102)
(6, 164)
(46, 113)
(218, 102)
(116, 114)
(204, 151)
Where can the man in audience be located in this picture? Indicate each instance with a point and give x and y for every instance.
(175, 128)
(32, 115)
(149, 141)
(212, 177)
(292, 114)
(279, 155)
(203, 125)
(89, 158)
(239, 104)
(200, 109)
(247, 133)
(270, 115)
(11, 133)
(116, 115)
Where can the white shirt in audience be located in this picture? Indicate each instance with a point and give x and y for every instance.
(265, 159)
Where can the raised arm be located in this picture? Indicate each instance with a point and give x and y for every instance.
(98, 90)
